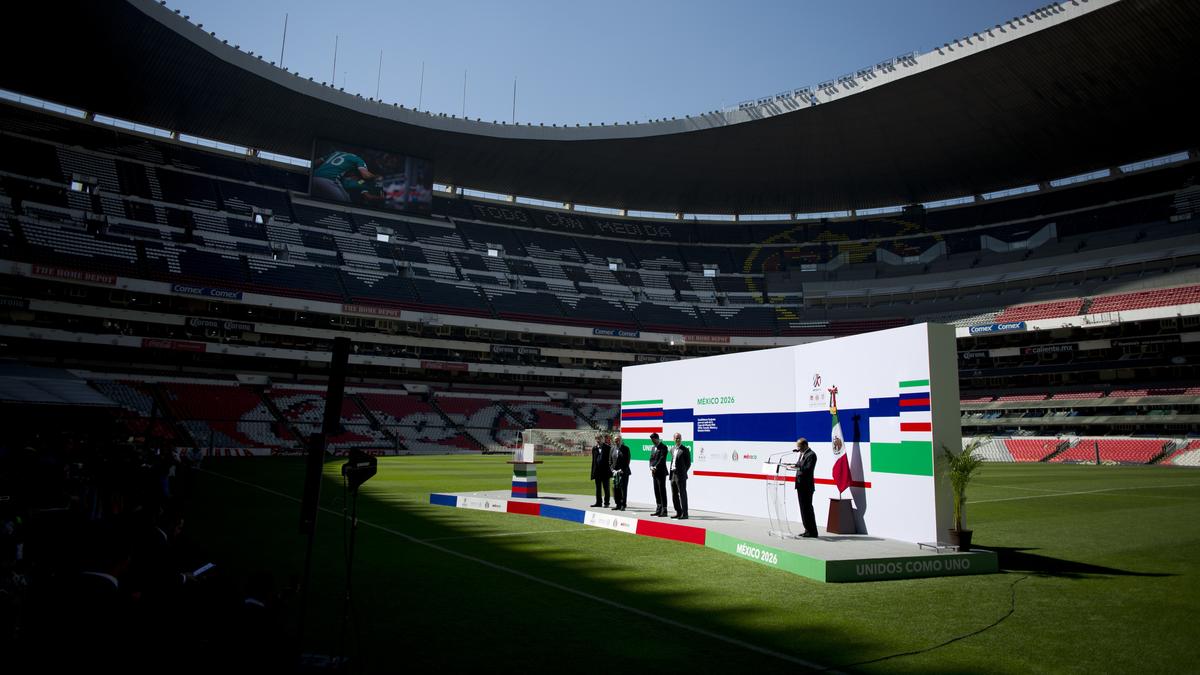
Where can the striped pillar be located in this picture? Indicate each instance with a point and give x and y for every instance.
(524, 481)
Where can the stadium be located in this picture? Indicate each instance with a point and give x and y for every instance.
(184, 287)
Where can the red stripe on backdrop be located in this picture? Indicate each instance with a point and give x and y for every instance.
(641, 430)
(916, 426)
(690, 535)
(763, 476)
(638, 413)
(913, 402)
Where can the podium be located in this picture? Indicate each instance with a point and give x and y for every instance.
(841, 516)
(524, 479)
(777, 493)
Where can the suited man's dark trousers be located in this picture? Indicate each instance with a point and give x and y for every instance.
(660, 492)
(806, 511)
(602, 482)
(679, 496)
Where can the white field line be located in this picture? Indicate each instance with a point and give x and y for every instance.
(1084, 492)
(694, 630)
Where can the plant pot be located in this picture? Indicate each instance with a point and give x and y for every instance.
(961, 539)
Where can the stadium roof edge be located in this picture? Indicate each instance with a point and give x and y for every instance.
(1008, 112)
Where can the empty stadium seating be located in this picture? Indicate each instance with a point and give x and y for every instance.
(1163, 297)
(1041, 310)
(1120, 450)
(1031, 449)
(186, 214)
(1188, 455)
(992, 450)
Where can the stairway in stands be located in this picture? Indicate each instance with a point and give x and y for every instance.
(282, 419)
(511, 414)
(182, 433)
(455, 425)
(582, 415)
(374, 421)
(1062, 447)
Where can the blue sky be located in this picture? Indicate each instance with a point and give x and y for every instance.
(576, 62)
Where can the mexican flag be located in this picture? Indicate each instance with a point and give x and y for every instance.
(841, 465)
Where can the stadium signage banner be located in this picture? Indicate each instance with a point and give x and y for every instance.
(998, 328)
(214, 324)
(15, 303)
(631, 229)
(173, 345)
(203, 291)
(616, 332)
(73, 275)
(1049, 349)
(510, 349)
(501, 214)
(565, 221)
(444, 365)
(976, 354)
(370, 310)
(710, 339)
(895, 397)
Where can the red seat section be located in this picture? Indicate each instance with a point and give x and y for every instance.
(1031, 449)
(1159, 297)
(1041, 310)
(1122, 450)
(225, 416)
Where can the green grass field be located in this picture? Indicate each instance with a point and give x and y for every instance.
(1099, 573)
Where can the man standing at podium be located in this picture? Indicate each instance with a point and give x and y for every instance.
(658, 473)
(682, 461)
(620, 469)
(600, 468)
(805, 487)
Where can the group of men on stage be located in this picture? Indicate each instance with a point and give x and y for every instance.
(610, 460)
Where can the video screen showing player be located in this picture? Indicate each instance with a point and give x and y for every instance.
(351, 174)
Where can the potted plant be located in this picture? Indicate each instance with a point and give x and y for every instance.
(961, 467)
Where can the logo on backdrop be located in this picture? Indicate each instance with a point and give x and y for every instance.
(816, 396)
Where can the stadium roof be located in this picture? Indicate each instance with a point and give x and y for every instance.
(1074, 87)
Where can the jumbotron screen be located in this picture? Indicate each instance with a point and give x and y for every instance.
(353, 174)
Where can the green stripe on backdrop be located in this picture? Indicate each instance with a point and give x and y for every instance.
(914, 458)
(914, 383)
(639, 448)
(625, 403)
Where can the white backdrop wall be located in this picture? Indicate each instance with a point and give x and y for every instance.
(897, 405)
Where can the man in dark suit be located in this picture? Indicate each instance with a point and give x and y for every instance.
(658, 473)
(680, 464)
(620, 467)
(600, 468)
(805, 487)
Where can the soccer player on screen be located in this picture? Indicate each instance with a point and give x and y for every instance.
(332, 168)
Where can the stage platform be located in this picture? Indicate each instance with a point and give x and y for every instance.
(830, 557)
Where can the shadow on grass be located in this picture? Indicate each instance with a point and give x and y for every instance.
(633, 604)
(1013, 559)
